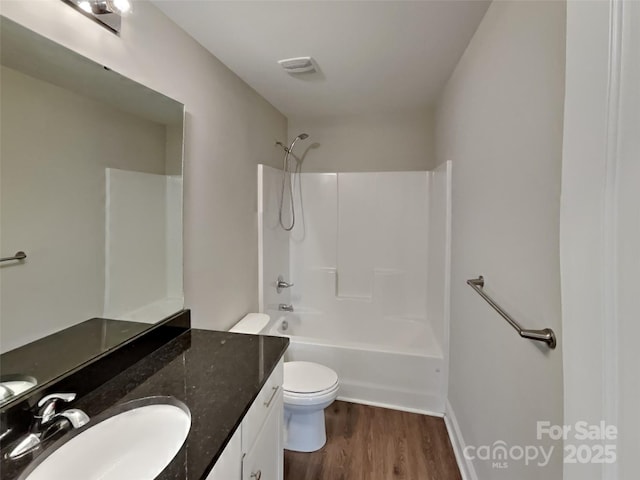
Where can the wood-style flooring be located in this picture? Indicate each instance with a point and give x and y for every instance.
(370, 443)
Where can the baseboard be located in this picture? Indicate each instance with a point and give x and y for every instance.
(391, 406)
(467, 471)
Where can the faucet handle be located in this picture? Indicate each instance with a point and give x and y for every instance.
(76, 417)
(47, 406)
(281, 284)
(65, 397)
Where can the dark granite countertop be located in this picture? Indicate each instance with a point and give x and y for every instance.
(216, 374)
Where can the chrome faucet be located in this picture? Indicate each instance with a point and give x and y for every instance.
(283, 307)
(281, 284)
(47, 421)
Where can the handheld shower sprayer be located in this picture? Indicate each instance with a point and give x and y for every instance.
(286, 171)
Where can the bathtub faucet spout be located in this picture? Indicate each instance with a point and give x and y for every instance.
(283, 307)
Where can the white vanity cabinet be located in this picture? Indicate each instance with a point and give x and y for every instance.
(264, 460)
(255, 452)
(229, 464)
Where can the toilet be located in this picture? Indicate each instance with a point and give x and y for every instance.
(308, 389)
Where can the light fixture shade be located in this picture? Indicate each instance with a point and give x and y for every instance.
(122, 7)
(105, 12)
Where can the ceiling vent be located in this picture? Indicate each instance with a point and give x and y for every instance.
(299, 65)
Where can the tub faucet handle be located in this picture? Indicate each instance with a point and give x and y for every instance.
(283, 307)
(281, 284)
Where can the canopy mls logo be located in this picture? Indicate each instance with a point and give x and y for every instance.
(499, 453)
(583, 443)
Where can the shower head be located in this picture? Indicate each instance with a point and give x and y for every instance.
(302, 136)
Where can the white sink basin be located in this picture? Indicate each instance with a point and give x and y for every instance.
(135, 442)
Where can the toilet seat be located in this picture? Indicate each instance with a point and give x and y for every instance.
(310, 399)
(305, 379)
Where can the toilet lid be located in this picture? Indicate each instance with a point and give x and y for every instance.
(307, 377)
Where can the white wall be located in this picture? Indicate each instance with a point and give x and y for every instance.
(600, 229)
(55, 145)
(229, 130)
(628, 247)
(385, 142)
(500, 122)
(583, 217)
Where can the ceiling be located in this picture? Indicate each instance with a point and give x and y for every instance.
(374, 56)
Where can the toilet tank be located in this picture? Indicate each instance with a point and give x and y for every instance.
(251, 323)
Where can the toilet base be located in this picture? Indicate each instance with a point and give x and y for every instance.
(305, 431)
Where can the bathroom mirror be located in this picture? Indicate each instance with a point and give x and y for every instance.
(91, 192)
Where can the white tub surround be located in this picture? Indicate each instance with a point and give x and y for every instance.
(273, 241)
(143, 245)
(358, 257)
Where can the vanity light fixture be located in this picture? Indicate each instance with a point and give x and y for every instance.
(107, 13)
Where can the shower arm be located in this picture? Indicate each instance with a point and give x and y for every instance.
(284, 147)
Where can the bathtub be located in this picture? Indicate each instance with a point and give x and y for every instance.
(390, 362)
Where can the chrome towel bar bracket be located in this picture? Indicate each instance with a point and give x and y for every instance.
(547, 335)
(18, 256)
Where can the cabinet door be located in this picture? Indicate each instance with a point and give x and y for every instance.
(229, 465)
(264, 459)
(258, 412)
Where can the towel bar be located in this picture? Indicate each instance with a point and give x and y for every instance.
(18, 256)
(547, 335)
